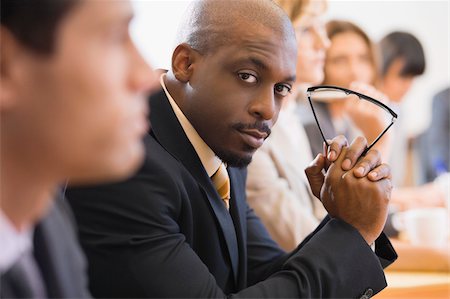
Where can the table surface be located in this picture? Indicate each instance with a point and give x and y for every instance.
(417, 284)
(419, 272)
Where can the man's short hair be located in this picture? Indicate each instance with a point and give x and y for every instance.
(405, 46)
(34, 22)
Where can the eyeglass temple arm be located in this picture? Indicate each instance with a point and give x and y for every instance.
(394, 117)
(317, 120)
(378, 137)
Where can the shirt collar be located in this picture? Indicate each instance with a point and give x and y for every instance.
(14, 243)
(208, 158)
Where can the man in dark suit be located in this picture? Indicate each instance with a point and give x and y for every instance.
(173, 231)
(439, 135)
(71, 107)
(434, 150)
(57, 256)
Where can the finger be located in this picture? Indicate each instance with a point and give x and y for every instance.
(335, 147)
(316, 166)
(380, 172)
(354, 152)
(371, 160)
(334, 172)
(315, 175)
(325, 150)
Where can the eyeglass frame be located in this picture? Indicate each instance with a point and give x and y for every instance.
(360, 96)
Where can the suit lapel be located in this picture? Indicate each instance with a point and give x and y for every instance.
(14, 285)
(48, 254)
(170, 134)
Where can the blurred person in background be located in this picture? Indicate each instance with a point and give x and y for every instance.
(402, 61)
(277, 188)
(72, 107)
(351, 62)
(435, 153)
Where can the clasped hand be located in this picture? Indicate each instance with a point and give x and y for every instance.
(352, 188)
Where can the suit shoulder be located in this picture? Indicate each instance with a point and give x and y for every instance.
(159, 160)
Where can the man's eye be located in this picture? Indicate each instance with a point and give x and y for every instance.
(282, 89)
(247, 77)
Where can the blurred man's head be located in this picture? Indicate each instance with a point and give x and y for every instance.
(312, 40)
(403, 59)
(72, 89)
(235, 65)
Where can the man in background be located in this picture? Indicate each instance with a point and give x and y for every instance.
(72, 107)
(402, 61)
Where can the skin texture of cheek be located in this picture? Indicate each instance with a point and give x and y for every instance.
(94, 113)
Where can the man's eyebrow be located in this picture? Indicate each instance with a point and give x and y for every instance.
(291, 78)
(263, 66)
(259, 63)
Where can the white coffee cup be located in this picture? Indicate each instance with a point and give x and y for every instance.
(427, 227)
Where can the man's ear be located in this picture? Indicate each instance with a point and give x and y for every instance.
(183, 59)
(10, 52)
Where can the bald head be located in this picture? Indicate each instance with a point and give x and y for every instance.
(209, 24)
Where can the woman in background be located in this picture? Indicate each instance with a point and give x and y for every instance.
(277, 187)
(351, 62)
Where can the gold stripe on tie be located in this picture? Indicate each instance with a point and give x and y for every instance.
(221, 181)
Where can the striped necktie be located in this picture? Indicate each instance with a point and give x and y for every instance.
(221, 181)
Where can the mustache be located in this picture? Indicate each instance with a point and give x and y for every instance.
(259, 125)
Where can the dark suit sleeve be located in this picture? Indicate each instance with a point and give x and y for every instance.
(333, 261)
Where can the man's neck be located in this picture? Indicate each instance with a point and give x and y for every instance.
(26, 190)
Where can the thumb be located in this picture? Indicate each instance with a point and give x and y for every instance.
(315, 175)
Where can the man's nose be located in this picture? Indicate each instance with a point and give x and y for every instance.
(264, 106)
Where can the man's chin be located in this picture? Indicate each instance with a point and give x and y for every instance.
(240, 160)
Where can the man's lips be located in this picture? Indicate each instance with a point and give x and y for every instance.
(253, 137)
(255, 133)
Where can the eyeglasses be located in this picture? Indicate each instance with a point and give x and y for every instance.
(329, 104)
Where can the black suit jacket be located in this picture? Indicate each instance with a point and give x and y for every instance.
(166, 233)
(58, 256)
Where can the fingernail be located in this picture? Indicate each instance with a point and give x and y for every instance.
(360, 170)
(373, 175)
(346, 164)
(331, 155)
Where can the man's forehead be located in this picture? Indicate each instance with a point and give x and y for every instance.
(257, 36)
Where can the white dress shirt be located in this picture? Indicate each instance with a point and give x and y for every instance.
(14, 243)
